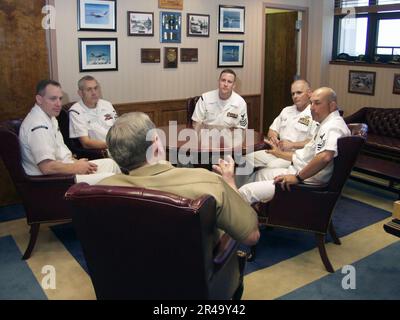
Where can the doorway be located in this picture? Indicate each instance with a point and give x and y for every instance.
(284, 56)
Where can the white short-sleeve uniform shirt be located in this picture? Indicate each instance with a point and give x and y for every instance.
(294, 125)
(91, 122)
(230, 113)
(41, 139)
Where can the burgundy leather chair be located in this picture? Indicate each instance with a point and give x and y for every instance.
(146, 244)
(42, 196)
(190, 106)
(74, 144)
(309, 208)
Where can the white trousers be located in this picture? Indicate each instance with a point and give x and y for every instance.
(264, 188)
(264, 159)
(105, 168)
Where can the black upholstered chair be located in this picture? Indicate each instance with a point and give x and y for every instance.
(309, 208)
(73, 143)
(190, 106)
(146, 244)
(42, 196)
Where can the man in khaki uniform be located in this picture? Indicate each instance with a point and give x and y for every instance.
(143, 159)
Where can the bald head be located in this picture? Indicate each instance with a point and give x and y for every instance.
(301, 92)
(323, 102)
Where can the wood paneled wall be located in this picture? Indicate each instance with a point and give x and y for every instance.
(161, 112)
(23, 62)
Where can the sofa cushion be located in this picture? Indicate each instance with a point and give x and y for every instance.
(381, 142)
(384, 122)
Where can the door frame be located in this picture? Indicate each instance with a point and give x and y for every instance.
(304, 47)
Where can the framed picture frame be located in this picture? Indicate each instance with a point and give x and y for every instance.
(170, 27)
(140, 24)
(197, 25)
(170, 4)
(189, 55)
(98, 54)
(148, 55)
(362, 82)
(96, 15)
(230, 53)
(396, 84)
(231, 19)
(170, 57)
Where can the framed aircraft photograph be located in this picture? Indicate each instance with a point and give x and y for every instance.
(362, 82)
(231, 19)
(140, 24)
(95, 15)
(98, 54)
(230, 53)
(198, 25)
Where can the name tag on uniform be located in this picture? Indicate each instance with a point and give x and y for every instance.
(305, 120)
(232, 115)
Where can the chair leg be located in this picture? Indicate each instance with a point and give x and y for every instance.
(32, 241)
(252, 254)
(239, 292)
(333, 234)
(322, 252)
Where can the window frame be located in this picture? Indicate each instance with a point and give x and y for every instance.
(372, 33)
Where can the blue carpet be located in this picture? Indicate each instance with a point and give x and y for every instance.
(377, 278)
(278, 244)
(24, 285)
(13, 212)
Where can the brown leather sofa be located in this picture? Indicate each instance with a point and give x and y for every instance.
(380, 156)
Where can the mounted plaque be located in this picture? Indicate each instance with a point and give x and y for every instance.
(170, 57)
(170, 4)
(150, 55)
(189, 55)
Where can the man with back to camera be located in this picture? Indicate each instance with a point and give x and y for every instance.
(42, 146)
(91, 117)
(222, 107)
(143, 160)
(291, 130)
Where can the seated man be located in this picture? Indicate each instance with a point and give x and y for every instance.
(42, 146)
(129, 145)
(291, 130)
(91, 117)
(313, 164)
(222, 107)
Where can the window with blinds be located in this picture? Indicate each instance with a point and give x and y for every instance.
(367, 30)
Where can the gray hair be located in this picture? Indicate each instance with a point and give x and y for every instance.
(81, 82)
(126, 139)
(308, 86)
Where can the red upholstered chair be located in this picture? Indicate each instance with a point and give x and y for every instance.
(42, 196)
(73, 143)
(190, 106)
(146, 244)
(309, 208)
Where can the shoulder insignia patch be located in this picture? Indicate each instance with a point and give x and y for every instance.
(39, 127)
(243, 120)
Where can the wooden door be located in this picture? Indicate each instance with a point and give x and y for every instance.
(23, 62)
(280, 63)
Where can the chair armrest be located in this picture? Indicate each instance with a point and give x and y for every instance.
(62, 178)
(224, 249)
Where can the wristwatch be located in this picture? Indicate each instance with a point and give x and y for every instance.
(298, 177)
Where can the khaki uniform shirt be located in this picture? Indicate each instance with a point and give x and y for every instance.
(234, 215)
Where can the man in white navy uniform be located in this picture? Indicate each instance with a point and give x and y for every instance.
(42, 146)
(91, 117)
(291, 130)
(222, 107)
(312, 164)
